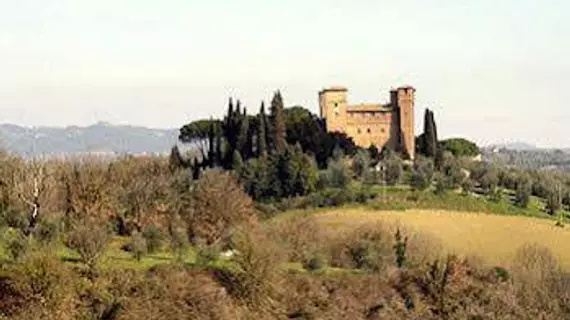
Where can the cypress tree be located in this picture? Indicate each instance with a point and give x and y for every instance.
(430, 138)
(211, 142)
(279, 142)
(219, 154)
(241, 143)
(261, 133)
(238, 109)
(237, 161)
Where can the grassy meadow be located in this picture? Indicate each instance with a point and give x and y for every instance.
(493, 238)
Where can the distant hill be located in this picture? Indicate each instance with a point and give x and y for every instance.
(101, 138)
(521, 146)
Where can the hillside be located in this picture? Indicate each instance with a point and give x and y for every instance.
(101, 138)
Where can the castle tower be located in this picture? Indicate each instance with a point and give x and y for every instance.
(403, 98)
(333, 105)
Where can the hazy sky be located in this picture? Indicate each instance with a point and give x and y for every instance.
(492, 70)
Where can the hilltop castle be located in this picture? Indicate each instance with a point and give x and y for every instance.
(390, 124)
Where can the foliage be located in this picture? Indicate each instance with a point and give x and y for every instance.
(153, 237)
(218, 206)
(393, 169)
(428, 143)
(400, 248)
(16, 244)
(89, 239)
(138, 246)
(361, 163)
(278, 141)
(337, 175)
(460, 147)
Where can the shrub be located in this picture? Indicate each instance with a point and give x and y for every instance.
(420, 181)
(154, 238)
(89, 240)
(522, 194)
(400, 249)
(138, 246)
(361, 163)
(16, 244)
(179, 242)
(313, 261)
(14, 219)
(39, 288)
(47, 231)
(367, 248)
(253, 277)
(393, 170)
(297, 236)
(206, 254)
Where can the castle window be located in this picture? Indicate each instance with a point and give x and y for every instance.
(368, 130)
(382, 130)
(358, 130)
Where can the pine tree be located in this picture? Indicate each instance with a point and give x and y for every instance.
(261, 134)
(279, 142)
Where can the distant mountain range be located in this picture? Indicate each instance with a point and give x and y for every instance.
(101, 138)
(515, 146)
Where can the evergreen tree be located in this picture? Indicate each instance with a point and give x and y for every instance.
(279, 142)
(430, 135)
(237, 159)
(219, 152)
(261, 134)
(241, 143)
(211, 141)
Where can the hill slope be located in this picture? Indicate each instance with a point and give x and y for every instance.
(102, 138)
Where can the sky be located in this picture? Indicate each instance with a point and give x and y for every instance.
(491, 70)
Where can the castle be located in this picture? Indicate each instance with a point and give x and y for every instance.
(384, 125)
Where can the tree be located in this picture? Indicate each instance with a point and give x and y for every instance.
(522, 193)
(31, 184)
(553, 202)
(198, 133)
(219, 143)
(361, 163)
(218, 206)
(237, 161)
(460, 147)
(279, 141)
(452, 171)
(243, 136)
(211, 160)
(393, 170)
(89, 239)
(261, 134)
(429, 139)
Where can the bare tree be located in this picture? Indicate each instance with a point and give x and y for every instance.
(31, 182)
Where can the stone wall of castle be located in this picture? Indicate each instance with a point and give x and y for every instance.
(389, 125)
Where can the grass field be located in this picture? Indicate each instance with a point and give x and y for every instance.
(494, 238)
